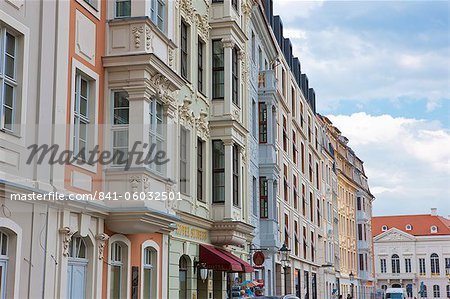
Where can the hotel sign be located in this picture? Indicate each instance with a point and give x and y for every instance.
(191, 232)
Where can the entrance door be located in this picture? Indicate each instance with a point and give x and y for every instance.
(76, 280)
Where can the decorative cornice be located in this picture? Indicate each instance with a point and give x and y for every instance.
(187, 10)
(203, 26)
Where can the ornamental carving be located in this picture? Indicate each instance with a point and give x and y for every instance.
(228, 43)
(148, 39)
(203, 125)
(135, 182)
(137, 31)
(247, 8)
(67, 233)
(101, 238)
(236, 115)
(161, 85)
(187, 10)
(185, 111)
(170, 57)
(203, 26)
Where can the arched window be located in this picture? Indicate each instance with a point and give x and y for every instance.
(150, 267)
(183, 277)
(436, 291)
(77, 268)
(119, 266)
(395, 261)
(3, 263)
(434, 264)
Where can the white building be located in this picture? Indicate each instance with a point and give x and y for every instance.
(413, 252)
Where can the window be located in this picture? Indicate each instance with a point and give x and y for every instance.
(93, 4)
(235, 76)
(434, 229)
(285, 135)
(304, 200)
(447, 266)
(8, 80)
(358, 203)
(235, 175)
(158, 13)
(384, 228)
(295, 237)
(309, 129)
(184, 160)
(123, 8)
(294, 147)
(200, 170)
(434, 258)
(312, 247)
(422, 267)
(317, 176)
(184, 50)
(285, 183)
(311, 207)
(395, 262)
(217, 70)
(183, 277)
(305, 243)
(262, 123)
(255, 196)
(310, 168)
(295, 192)
(234, 3)
(150, 268)
(200, 46)
(119, 127)
(448, 291)
(253, 47)
(77, 268)
(302, 121)
(118, 272)
(263, 198)
(260, 59)
(408, 265)
(218, 161)
(303, 157)
(361, 262)
(81, 117)
(408, 227)
(3, 263)
(293, 101)
(360, 232)
(383, 265)
(436, 291)
(157, 131)
(254, 118)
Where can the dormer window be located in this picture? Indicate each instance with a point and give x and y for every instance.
(384, 228)
(434, 229)
(408, 227)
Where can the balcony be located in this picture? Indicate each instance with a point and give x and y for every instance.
(267, 82)
(362, 216)
(138, 35)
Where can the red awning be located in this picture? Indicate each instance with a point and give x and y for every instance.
(221, 260)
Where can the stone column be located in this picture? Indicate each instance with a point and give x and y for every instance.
(228, 144)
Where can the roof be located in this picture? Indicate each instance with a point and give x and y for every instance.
(421, 224)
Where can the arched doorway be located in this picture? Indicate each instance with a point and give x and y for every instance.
(184, 277)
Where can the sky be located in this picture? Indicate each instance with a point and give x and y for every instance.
(381, 73)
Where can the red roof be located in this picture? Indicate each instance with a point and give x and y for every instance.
(421, 224)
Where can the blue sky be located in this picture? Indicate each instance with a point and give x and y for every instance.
(381, 72)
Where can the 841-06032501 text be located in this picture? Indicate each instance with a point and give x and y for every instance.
(98, 195)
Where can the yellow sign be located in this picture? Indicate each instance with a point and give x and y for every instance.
(191, 232)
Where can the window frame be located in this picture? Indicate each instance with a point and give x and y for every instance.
(200, 66)
(218, 171)
(184, 50)
(262, 122)
(263, 197)
(122, 127)
(6, 80)
(156, 137)
(235, 76)
(217, 93)
(116, 2)
(236, 175)
(200, 170)
(155, 17)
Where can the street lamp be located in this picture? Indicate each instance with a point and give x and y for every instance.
(284, 252)
(352, 278)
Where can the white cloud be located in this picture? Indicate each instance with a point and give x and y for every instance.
(407, 160)
(289, 9)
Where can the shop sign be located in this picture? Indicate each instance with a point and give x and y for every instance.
(191, 232)
(258, 258)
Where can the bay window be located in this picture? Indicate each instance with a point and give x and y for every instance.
(158, 13)
(157, 131)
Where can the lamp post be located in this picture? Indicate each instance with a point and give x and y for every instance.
(352, 278)
(284, 252)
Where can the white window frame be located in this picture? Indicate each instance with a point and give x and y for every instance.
(156, 137)
(156, 17)
(119, 127)
(7, 80)
(185, 159)
(115, 9)
(94, 9)
(126, 274)
(77, 66)
(15, 229)
(79, 261)
(155, 246)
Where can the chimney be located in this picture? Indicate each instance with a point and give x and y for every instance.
(433, 212)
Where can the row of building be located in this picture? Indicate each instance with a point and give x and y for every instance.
(246, 182)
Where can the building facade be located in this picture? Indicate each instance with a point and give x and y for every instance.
(413, 252)
(237, 161)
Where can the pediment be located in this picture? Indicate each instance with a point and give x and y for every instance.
(394, 234)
